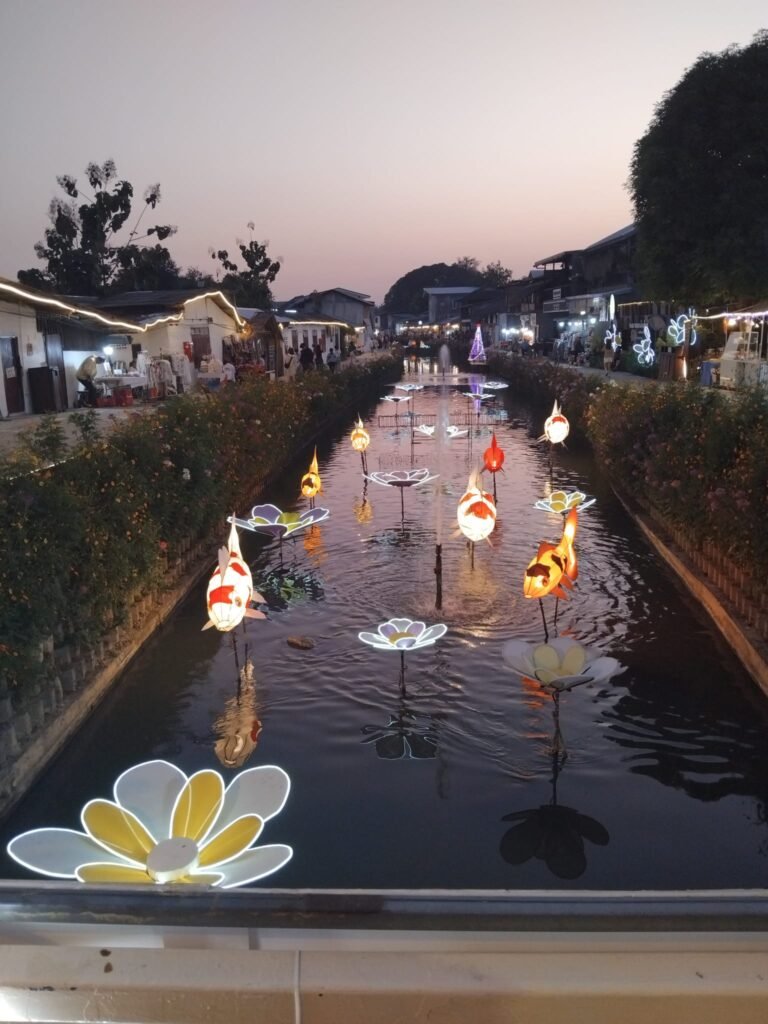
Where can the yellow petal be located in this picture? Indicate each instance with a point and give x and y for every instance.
(117, 829)
(106, 873)
(574, 661)
(231, 841)
(545, 656)
(198, 806)
(545, 676)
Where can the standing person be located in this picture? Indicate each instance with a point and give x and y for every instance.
(306, 359)
(86, 372)
(290, 363)
(319, 364)
(607, 356)
(333, 358)
(228, 373)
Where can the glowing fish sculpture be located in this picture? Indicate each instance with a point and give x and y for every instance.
(476, 513)
(493, 457)
(555, 568)
(230, 589)
(310, 482)
(556, 427)
(359, 437)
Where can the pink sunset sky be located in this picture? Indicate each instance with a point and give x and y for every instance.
(362, 139)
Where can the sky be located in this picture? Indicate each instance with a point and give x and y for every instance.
(362, 139)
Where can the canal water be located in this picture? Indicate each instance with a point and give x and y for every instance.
(447, 779)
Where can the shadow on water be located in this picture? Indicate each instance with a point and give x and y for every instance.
(668, 758)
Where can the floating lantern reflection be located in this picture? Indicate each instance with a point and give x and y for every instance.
(476, 513)
(230, 589)
(564, 501)
(270, 520)
(556, 427)
(495, 385)
(310, 482)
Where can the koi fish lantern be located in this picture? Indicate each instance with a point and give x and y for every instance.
(556, 427)
(555, 568)
(493, 457)
(476, 513)
(230, 589)
(360, 437)
(310, 482)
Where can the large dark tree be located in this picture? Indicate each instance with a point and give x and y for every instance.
(699, 182)
(251, 285)
(80, 252)
(407, 293)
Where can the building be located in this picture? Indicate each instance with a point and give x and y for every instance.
(445, 303)
(340, 306)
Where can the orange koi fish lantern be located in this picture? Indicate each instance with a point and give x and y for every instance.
(557, 427)
(310, 482)
(360, 437)
(493, 457)
(476, 513)
(230, 589)
(554, 569)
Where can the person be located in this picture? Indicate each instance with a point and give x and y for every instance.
(228, 373)
(306, 359)
(259, 365)
(86, 372)
(319, 364)
(290, 363)
(607, 356)
(333, 358)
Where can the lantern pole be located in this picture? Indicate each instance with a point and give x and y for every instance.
(234, 648)
(557, 609)
(402, 507)
(494, 488)
(472, 555)
(543, 619)
(402, 672)
(439, 576)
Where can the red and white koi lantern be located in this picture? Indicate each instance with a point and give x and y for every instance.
(230, 589)
(476, 514)
(557, 427)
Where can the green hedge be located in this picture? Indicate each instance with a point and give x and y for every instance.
(697, 456)
(78, 539)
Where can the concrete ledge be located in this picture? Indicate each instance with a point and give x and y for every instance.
(746, 643)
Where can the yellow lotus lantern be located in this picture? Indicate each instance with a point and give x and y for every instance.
(556, 427)
(310, 482)
(360, 437)
(554, 569)
(476, 513)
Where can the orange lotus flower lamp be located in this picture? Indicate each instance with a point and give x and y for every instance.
(555, 568)
(476, 513)
(556, 427)
(310, 482)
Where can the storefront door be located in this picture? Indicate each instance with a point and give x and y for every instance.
(10, 365)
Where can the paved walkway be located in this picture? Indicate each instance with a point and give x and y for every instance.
(12, 430)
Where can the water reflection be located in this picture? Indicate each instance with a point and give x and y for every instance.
(408, 734)
(284, 585)
(553, 832)
(239, 728)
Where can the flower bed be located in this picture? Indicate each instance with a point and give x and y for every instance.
(81, 541)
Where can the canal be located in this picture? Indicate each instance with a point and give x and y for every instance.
(448, 779)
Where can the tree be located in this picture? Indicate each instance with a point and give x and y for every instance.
(407, 293)
(79, 251)
(699, 182)
(496, 275)
(250, 286)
